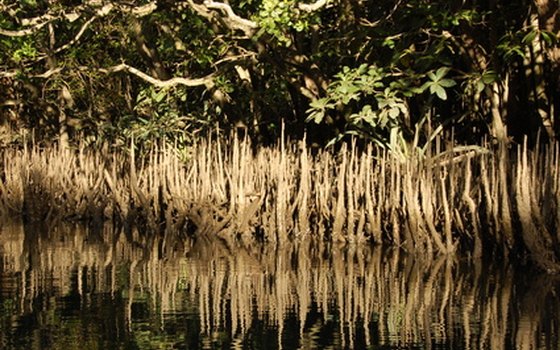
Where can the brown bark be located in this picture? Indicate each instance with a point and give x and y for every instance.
(549, 21)
(498, 111)
(144, 45)
(63, 94)
(549, 18)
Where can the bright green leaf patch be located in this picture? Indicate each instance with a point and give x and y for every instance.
(438, 83)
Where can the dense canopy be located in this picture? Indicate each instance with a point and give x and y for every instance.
(393, 72)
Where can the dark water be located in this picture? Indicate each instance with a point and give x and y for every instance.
(76, 288)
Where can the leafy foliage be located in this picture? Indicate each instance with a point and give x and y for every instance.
(371, 69)
(438, 83)
(278, 18)
(376, 102)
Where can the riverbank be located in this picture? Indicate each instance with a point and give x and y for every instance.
(500, 201)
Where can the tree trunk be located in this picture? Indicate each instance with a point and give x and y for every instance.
(144, 46)
(535, 65)
(498, 111)
(549, 21)
(63, 93)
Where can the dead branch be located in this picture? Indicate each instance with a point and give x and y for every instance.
(23, 32)
(314, 6)
(44, 75)
(144, 10)
(234, 21)
(37, 23)
(207, 80)
(78, 36)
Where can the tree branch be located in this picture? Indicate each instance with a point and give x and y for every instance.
(144, 10)
(200, 9)
(367, 23)
(9, 74)
(235, 21)
(24, 32)
(37, 23)
(45, 75)
(78, 36)
(207, 80)
(314, 6)
(50, 16)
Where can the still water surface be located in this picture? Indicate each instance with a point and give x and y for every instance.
(70, 287)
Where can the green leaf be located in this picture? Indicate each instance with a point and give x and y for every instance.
(433, 88)
(30, 3)
(388, 42)
(159, 96)
(362, 69)
(335, 139)
(440, 92)
(447, 83)
(394, 113)
(548, 37)
(424, 86)
(315, 115)
(440, 73)
(367, 109)
(529, 37)
(480, 86)
(489, 77)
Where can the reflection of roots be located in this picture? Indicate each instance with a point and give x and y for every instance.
(404, 299)
(535, 311)
(409, 299)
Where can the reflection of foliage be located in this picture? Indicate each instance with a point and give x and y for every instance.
(8, 308)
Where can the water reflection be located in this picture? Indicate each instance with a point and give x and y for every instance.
(71, 287)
